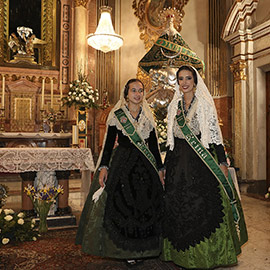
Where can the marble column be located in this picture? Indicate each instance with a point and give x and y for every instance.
(238, 69)
(80, 32)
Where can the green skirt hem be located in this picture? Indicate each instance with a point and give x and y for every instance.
(220, 249)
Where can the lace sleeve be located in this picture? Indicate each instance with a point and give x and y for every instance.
(209, 126)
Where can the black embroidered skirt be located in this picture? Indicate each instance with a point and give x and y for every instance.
(193, 204)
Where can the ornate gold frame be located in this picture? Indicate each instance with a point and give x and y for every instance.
(48, 31)
(151, 30)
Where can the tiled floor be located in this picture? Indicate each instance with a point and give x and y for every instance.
(255, 254)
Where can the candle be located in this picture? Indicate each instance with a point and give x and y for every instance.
(75, 135)
(61, 91)
(42, 93)
(51, 93)
(3, 91)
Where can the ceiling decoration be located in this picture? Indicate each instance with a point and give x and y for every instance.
(153, 14)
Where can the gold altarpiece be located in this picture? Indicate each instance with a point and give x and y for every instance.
(48, 31)
(23, 78)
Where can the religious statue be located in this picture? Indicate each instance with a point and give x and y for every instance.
(23, 45)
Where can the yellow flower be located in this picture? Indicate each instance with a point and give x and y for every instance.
(20, 221)
(34, 239)
(5, 241)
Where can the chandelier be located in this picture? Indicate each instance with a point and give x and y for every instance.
(105, 39)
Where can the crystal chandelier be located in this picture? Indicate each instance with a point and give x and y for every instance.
(105, 39)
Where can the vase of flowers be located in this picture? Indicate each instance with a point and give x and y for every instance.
(42, 200)
(81, 93)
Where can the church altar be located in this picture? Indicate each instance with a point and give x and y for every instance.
(33, 161)
(17, 160)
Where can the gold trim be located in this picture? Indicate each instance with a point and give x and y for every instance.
(78, 3)
(238, 70)
(151, 30)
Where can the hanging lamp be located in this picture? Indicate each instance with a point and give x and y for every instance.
(105, 39)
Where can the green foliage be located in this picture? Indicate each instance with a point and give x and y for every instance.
(14, 227)
(3, 194)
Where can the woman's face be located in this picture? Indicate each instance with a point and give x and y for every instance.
(135, 92)
(186, 81)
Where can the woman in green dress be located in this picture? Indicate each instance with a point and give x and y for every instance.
(123, 212)
(204, 225)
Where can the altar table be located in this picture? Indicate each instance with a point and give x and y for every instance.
(20, 160)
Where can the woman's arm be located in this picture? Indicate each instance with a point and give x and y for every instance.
(106, 156)
(153, 146)
(221, 157)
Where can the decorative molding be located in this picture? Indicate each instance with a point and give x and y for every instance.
(47, 30)
(152, 17)
(65, 44)
(82, 3)
(239, 17)
(238, 69)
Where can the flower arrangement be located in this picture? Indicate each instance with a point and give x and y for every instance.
(3, 194)
(162, 134)
(160, 115)
(51, 116)
(81, 93)
(14, 227)
(42, 200)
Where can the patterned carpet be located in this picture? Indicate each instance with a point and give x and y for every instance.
(57, 251)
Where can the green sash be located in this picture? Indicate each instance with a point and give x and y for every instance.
(209, 161)
(176, 48)
(134, 136)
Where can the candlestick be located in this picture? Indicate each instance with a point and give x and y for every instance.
(61, 91)
(75, 135)
(42, 93)
(51, 93)
(3, 91)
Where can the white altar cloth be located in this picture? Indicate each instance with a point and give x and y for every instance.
(17, 160)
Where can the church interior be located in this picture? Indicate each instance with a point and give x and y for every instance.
(49, 135)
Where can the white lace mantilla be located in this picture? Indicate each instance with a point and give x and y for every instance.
(143, 125)
(17, 160)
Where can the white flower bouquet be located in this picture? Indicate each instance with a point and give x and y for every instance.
(15, 227)
(81, 94)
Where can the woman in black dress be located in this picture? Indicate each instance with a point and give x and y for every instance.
(204, 225)
(122, 214)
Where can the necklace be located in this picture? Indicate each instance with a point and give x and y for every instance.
(134, 110)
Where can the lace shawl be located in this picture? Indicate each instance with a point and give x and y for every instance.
(144, 126)
(206, 112)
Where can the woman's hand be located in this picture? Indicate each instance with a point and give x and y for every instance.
(224, 169)
(162, 176)
(103, 174)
